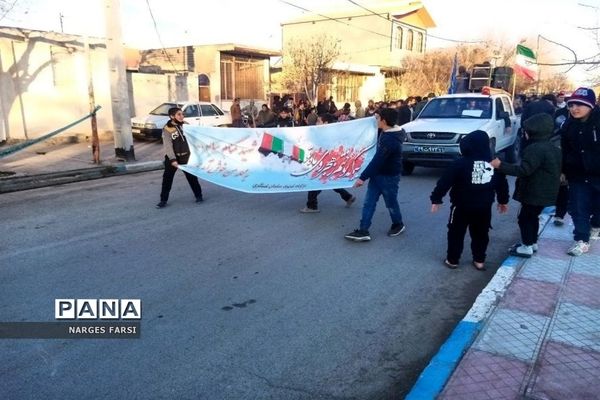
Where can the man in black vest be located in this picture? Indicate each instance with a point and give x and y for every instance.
(177, 152)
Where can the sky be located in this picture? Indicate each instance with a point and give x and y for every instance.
(257, 23)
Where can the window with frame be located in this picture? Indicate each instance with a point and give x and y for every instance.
(346, 87)
(217, 110)
(409, 40)
(419, 42)
(507, 106)
(191, 111)
(241, 77)
(399, 37)
(227, 79)
(499, 108)
(207, 110)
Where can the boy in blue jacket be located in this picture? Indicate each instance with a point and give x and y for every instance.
(383, 173)
(472, 183)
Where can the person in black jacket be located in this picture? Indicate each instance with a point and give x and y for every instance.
(383, 173)
(285, 118)
(473, 183)
(538, 179)
(177, 152)
(544, 105)
(580, 144)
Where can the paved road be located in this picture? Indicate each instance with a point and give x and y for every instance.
(243, 297)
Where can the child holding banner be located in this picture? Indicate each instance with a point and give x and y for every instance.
(311, 202)
(383, 173)
(177, 152)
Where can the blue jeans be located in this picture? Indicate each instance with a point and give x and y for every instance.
(386, 186)
(584, 207)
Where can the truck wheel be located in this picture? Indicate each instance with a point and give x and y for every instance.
(407, 168)
(513, 153)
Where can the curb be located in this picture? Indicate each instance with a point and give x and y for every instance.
(434, 377)
(18, 183)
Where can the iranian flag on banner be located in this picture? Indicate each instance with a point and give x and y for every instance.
(526, 62)
(273, 144)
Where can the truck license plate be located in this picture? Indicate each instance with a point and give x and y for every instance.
(136, 130)
(428, 149)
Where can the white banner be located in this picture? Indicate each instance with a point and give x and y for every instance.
(273, 160)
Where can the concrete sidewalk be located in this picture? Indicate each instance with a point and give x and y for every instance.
(541, 341)
(52, 163)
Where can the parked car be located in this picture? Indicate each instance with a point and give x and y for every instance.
(195, 113)
(432, 139)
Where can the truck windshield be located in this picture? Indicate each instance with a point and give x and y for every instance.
(458, 107)
(163, 109)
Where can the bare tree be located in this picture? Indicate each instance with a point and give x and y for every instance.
(306, 62)
(430, 72)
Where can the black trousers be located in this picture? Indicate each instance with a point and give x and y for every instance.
(167, 181)
(529, 223)
(562, 200)
(311, 202)
(478, 220)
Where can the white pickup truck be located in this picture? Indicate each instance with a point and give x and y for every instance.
(432, 139)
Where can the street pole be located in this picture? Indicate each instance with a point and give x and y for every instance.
(118, 83)
(92, 100)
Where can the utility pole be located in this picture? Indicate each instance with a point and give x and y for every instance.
(60, 17)
(118, 83)
(92, 101)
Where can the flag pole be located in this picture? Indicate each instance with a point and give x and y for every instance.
(539, 72)
(514, 78)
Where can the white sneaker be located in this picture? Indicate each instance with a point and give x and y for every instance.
(522, 251)
(307, 210)
(534, 247)
(580, 247)
(595, 233)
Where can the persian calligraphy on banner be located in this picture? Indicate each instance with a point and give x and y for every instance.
(274, 160)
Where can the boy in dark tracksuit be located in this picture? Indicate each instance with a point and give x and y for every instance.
(473, 183)
(177, 152)
(538, 179)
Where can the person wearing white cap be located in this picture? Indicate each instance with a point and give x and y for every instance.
(580, 143)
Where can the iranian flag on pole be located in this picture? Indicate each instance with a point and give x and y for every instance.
(526, 62)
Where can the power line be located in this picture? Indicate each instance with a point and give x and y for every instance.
(335, 20)
(9, 9)
(455, 40)
(563, 46)
(366, 9)
(159, 38)
(428, 34)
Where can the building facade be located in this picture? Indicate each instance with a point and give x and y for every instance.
(44, 83)
(45, 80)
(221, 72)
(371, 43)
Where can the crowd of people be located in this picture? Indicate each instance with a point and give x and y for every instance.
(560, 166)
(287, 112)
